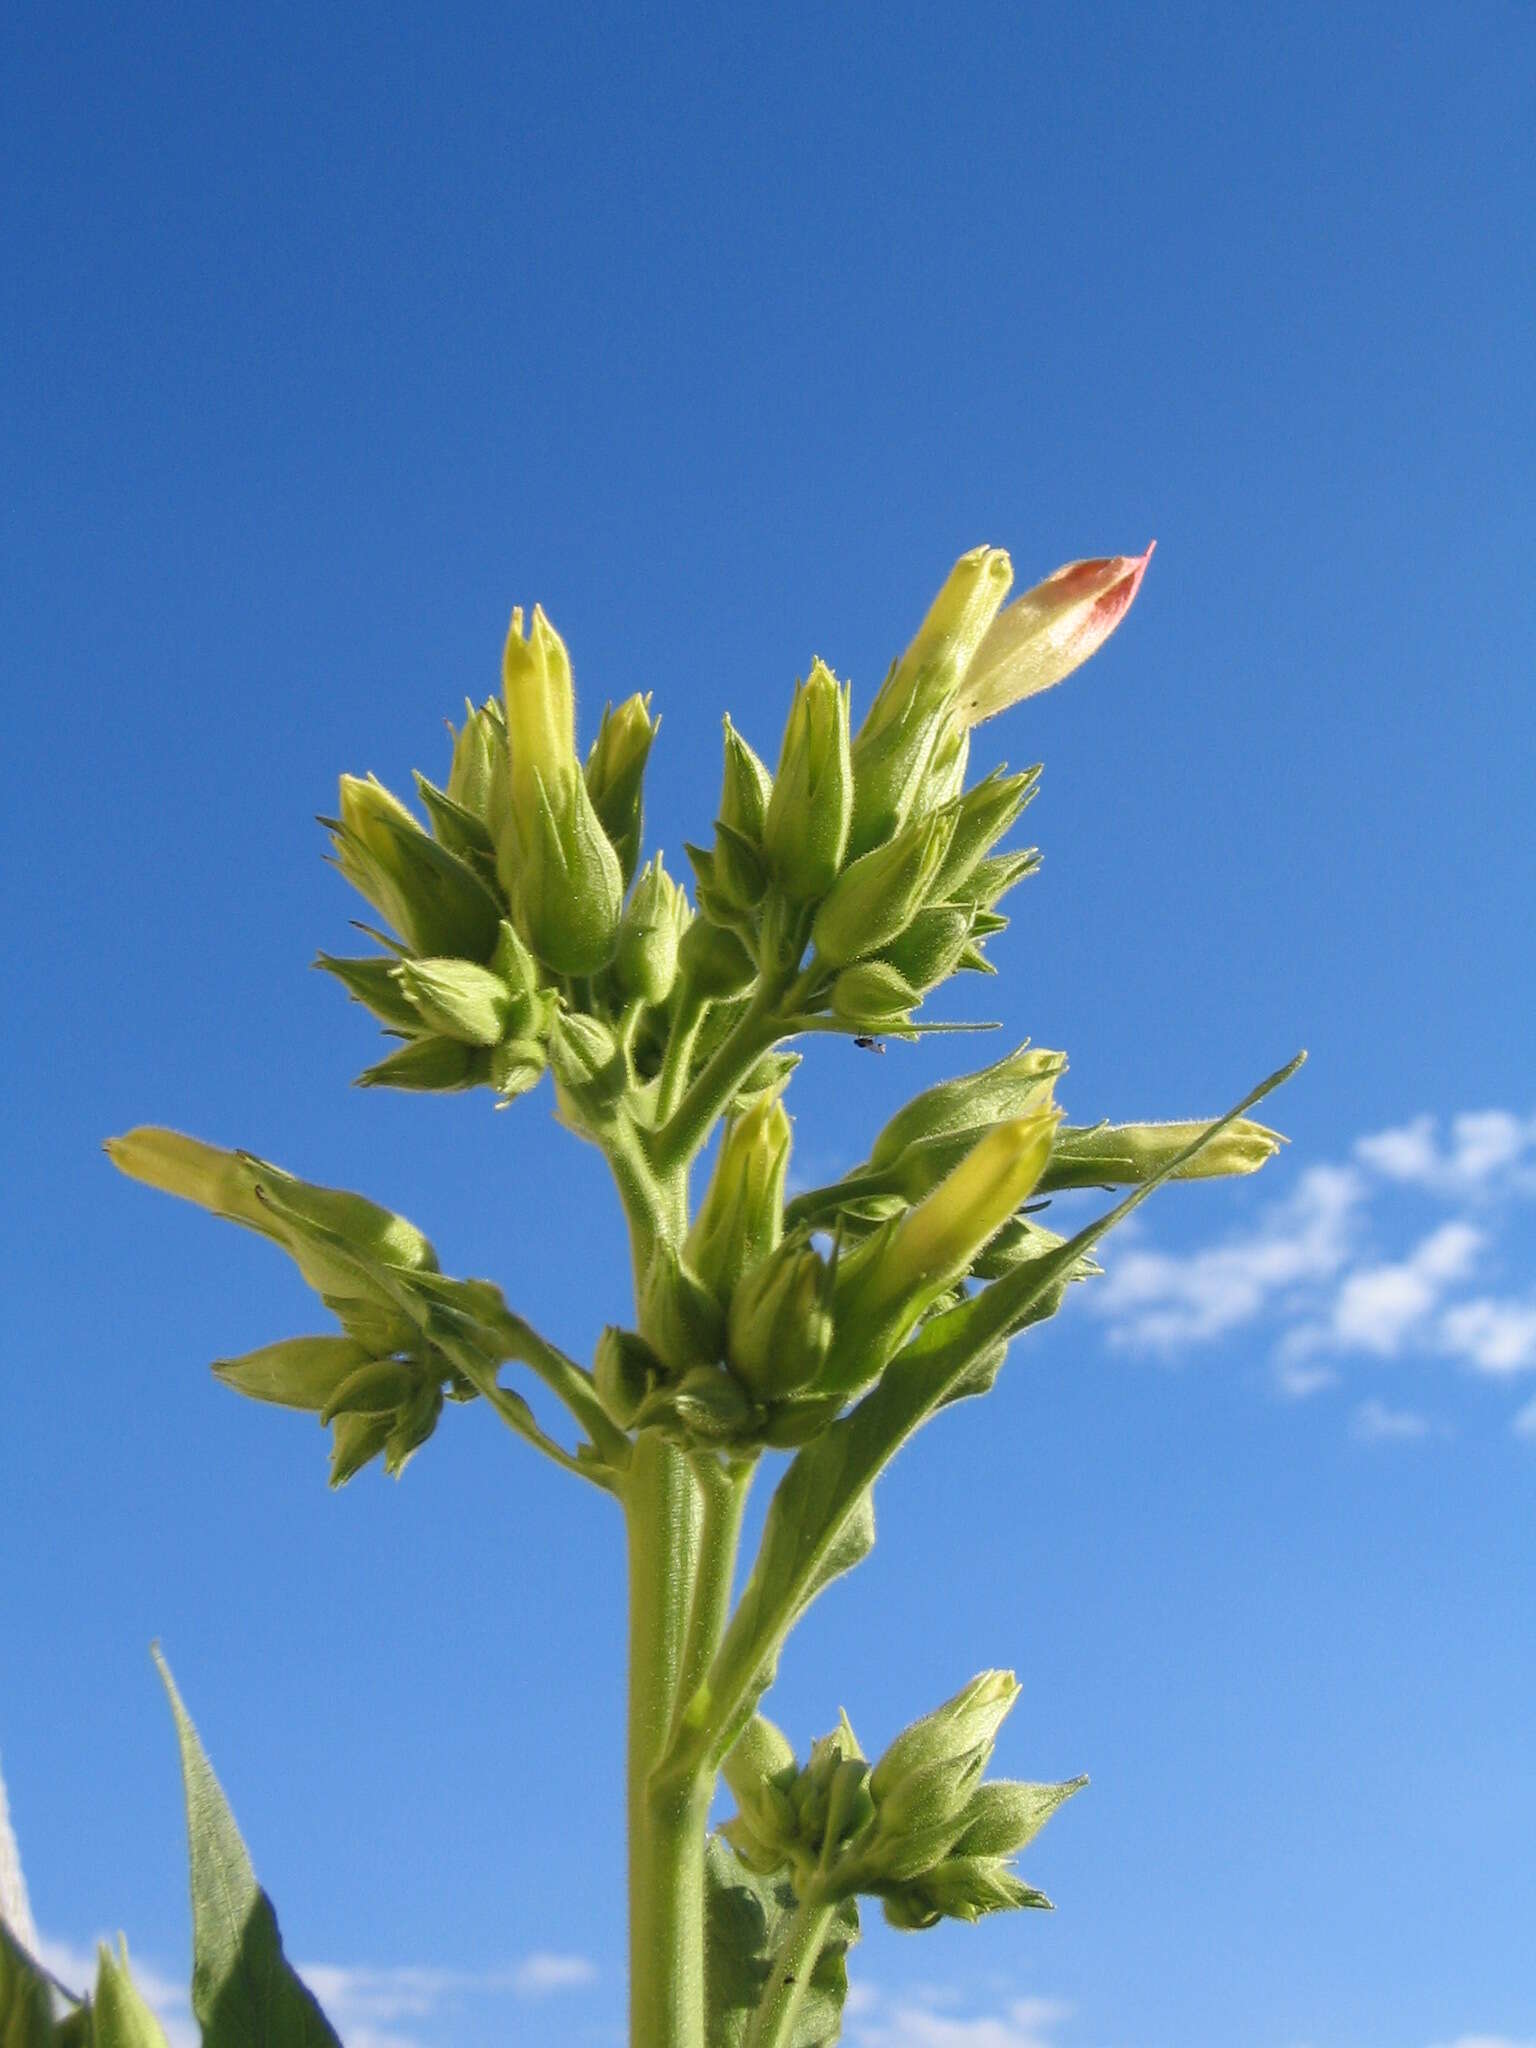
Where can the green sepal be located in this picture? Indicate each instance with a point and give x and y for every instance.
(873, 997)
(298, 1372)
(245, 1994)
(563, 876)
(119, 2016)
(981, 817)
(434, 1065)
(373, 984)
(379, 1387)
(1004, 1815)
(460, 830)
(876, 897)
(805, 830)
(928, 949)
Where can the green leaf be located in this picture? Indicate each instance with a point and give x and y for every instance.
(122, 2019)
(744, 1921)
(26, 2004)
(244, 1992)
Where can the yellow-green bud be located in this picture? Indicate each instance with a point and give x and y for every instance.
(649, 931)
(299, 1372)
(964, 1724)
(875, 898)
(909, 719)
(931, 945)
(981, 817)
(119, 2017)
(740, 1218)
(873, 997)
(477, 778)
(434, 900)
(615, 775)
(959, 1888)
(457, 998)
(736, 873)
(413, 1423)
(588, 1064)
(680, 1318)
(780, 1325)
(381, 1387)
(805, 830)
(516, 1066)
(761, 1751)
(1005, 1816)
(886, 1285)
(356, 1440)
(540, 701)
(1125, 1155)
(970, 1102)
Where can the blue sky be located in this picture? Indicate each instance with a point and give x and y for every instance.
(333, 335)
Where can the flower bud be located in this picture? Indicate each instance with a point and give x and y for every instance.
(457, 998)
(805, 830)
(381, 1387)
(479, 761)
(1126, 1155)
(906, 724)
(875, 898)
(556, 862)
(873, 997)
(964, 1724)
(356, 1440)
(589, 1066)
(435, 1065)
(990, 880)
(713, 960)
(434, 900)
(1004, 1816)
(680, 1318)
(927, 951)
(1048, 632)
(970, 1102)
(780, 1324)
(959, 1888)
(410, 1427)
(517, 1065)
(615, 774)
(118, 2016)
(734, 874)
(300, 1372)
(653, 922)
(626, 1372)
(981, 817)
(898, 1273)
(760, 1751)
(741, 1216)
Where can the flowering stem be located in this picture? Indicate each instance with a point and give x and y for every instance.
(666, 1519)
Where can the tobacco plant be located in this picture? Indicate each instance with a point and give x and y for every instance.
(520, 934)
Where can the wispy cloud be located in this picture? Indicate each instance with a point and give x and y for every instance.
(915, 2020)
(1487, 2041)
(1318, 1272)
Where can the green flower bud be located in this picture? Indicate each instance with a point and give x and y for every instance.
(1125, 1155)
(649, 932)
(918, 1820)
(626, 1372)
(299, 1372)
(479, 760)
(805, 830)
(737, 870)
(435, 1065)
(909, 719)
(1004, 1816)
(540, 701)
(741, 1216)
(760, 1752)
(516, 1066)
(875, 899)
(970, 1102)
(706, 1406)
(372, 983)
(457, 998)
(118, 2016)
(382, 1387)
(459, 830)
(873, 997)
(791, 1423)
(745, 789)
(885, 1286)
(780, 1325)
(945, 780)
(588, 1064)
(928, 949)
(981, 817)
(434, 900)
(964, 1724)
(562, 876)
(680, 1318)
(244, 1189)
(991, 879)
(413, 1423)
(615, 775)
(356, 1440)
(960, 1888)
(713, 960)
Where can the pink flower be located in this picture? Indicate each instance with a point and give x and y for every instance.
(1049, 631)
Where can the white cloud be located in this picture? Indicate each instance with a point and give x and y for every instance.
(1376, 1423)
(1486, 2041)
(1491, 1335)
(1299, 1382)
(1488, 1150)
(1023, 2023)
(1524, 1423)
(1160, 1300)
(1379, 1307)
(540, 1974)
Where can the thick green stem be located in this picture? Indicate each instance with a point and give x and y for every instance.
(774, 2021)
(724, 1489)
(666, 1822)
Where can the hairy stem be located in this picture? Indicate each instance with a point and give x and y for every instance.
(666, 1519)
(774, 2021)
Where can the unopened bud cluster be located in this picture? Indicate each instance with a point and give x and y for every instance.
(922, 1830)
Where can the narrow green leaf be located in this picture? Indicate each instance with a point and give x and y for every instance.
(244, 1992)
(26, 2005)
(744, 1921)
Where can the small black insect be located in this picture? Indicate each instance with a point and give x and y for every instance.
(866, 1044)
